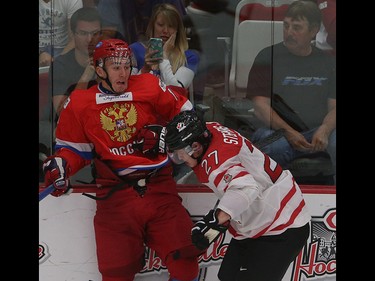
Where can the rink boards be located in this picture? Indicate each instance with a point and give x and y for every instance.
(67, 249)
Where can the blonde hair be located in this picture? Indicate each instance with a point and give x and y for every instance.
(172, 16)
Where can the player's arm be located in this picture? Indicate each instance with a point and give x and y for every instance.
(240, 192)
(59, 167)
(171, 100)
(234, 202)
(72, 153)
(72, 143)
(222, 216)
(151, 138)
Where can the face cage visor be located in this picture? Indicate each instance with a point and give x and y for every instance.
(123, 58)
(180, 156)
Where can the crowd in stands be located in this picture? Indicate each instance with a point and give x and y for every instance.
(289, 84)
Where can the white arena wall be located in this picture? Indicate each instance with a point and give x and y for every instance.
(67, 249)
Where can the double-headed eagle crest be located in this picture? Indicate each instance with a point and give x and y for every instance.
(118, 120)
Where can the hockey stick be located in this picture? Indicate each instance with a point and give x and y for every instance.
(212, 235)
(48, 190)
(216, 204)
(87, 187)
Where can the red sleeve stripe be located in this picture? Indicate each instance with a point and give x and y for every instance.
(221, 175)
(283, 204)
(241, 174)
(292, 217)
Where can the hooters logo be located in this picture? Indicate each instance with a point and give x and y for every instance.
(316, 259)
(319, 256)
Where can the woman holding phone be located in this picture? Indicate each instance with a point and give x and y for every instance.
(175, 64)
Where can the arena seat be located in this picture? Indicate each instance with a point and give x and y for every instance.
(257, 24)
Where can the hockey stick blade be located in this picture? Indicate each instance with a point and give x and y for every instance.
(48, 190)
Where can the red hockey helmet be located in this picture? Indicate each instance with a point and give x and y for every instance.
(115, 48)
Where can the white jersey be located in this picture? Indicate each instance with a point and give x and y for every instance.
(261, 197)
(54, 19)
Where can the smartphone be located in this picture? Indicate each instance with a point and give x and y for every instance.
(156, 44)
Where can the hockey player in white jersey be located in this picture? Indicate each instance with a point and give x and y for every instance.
(261, 204)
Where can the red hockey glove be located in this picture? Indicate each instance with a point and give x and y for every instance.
(207, 230)
(150, 140)
(54, 169)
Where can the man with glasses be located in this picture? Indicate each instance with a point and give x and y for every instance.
(75, 70)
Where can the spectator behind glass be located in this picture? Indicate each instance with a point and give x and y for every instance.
(74, 70)
(302, 98)
(56, 26)
(131, 17)
(179, 64)
(326, 37)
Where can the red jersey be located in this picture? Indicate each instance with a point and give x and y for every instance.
(260, 197)
(94, 120)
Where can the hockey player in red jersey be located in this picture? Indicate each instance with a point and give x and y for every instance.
(112, 124)
(260, 204)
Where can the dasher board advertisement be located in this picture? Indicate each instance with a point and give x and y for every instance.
(67, 250)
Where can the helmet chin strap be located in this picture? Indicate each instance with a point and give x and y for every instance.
(108, 82)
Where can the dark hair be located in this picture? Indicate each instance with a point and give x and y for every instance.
(85, 14)
(309, 10)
